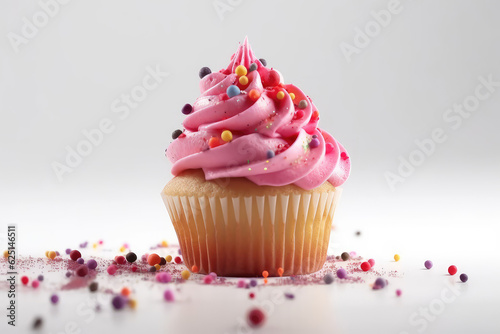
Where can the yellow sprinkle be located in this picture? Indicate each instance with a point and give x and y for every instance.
(132, 303)
(396, 257)
(265, 168)
(185, 274)
(292, 95)
(5, 253)
(157, 266)
(122, 249)
(94, 245)
(243, 80)
(226, 135)
(249, 168)
(46, 253)
(267, 161)
(168, 258)
(164, 243)
(280, 95)
(240, 70)
(52, 255)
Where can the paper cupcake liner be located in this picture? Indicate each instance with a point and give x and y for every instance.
(243, 236)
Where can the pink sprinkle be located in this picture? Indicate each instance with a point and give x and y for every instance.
(168, 295)
(112, 269)
(398, 292)
(352, 254)
(241, 283)
(144, 258)
(35, 284)
(208, 279)
(371, 262)
(163, 277)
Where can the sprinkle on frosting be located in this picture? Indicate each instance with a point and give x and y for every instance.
(262, 118)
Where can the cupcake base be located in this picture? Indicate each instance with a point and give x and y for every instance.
(244, 235)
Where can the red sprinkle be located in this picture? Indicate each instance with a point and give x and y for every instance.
(25, 280)
(365, 266)
(75, 255)
(452, 270)
(120, 259)
(251, 295)
(256, 317)
(178, 260)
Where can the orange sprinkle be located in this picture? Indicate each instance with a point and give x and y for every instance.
(315, 115)
(265, 274)
(280, 271)
(125, 292)
(157, 266)
(213, 142)
(254, 94)
(265, 280)
(194, 269)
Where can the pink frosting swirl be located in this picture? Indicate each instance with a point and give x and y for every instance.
(275, 138)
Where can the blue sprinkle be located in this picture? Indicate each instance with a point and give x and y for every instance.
(233, 91)
(270, 154)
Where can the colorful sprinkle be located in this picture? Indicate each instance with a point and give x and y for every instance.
(54, 299)
(82, 270)
(118, 302)
(25, 280)
(93, 286)
(112, 269)
(345, 256)
(80, 261)
(280, 95)
(5, 253)
(397, 257)
(125, 292)
(227, 135)
(185, 274)
(303, 104)
(270, 154)
(240, 284)
(292, 96)
(341, 273)
(132, 303)
(178, 260)
(380, 283)
(263, 61)
(273, 79)
(195, 269)
(256, 318)
(371, 262)
(168, 258)
(52, 255)
(35, 284)
(253, 67)
(328, 278)
(213, 142)
(131, 257)
(365, 266)
(265, 274)
(176, 133)
(233, 91)
(464, 278)
(452, 270)
(187, 109)
(314, 143)
(208, 279)
(298, 114)
(152, 269)
(163, 277)
(240, 70)
(398, 292)
(315, 115)
(428, 264)
(40, 278)
(253, 94)
(243, 80)
(251, 295)
(204, 71)
(168, 295)
(280, 271)
(157, 266)
(328, 148)
(153, 259)
(253, 283)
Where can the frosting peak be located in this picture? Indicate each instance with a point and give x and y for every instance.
(248, 123)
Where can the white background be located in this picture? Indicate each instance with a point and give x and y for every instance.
(377, 103)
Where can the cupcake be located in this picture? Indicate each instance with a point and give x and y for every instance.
(256, 181)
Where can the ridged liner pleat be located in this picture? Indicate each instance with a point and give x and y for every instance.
(243, 236)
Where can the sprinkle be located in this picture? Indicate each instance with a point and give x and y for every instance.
(265, 280)
(194, 269)
(256, 318)
(213, 142)
(265, 168)
(243, 80)
(380, 283)
(163, 277)
(93, 286)
(214, 275)
(428, 264)
(118, 302)
(35, 284)
(168, 295)
(144, 257)
(240, 284)
(132, 303)
(157, 266)
(280, 95)
(178, 260)
(187, 109)
(273, 79)
(68, 251)
(123, 248)
(314, 115)
(54, 299)
(82, 270)
(397, 257)
(345, 256)
(251, 295)
(40, 278)
(112, 269)
(125, 292)
(25, 280)
(80, 261)
(152, 269)
(153, 259)
(233, 91)
(270, 154)
(46, 253)
(168, 258)
(452, 270)
(292, 96)
(344, 156)
(303, 104)
(164, 243)
(254, 94)
(68, 274)
(464, 278)
(204, 71)
(341, 273)
(208, 279)
(298, 114)
(131, 257)
(328, 148)
(253, 67)
(365, 266)
(176, 134)
(163, 261)
(265, 274)
(398, 292)
(37, 323)
(289, 295)
(280, 271)
(227, 135)
(240, 70)
(134, 269)
(328, 278)
(185, 274)
(314, 143)
(250, 169)
(263, 61)
(52, 255)
(371, 262)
